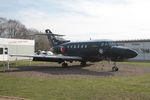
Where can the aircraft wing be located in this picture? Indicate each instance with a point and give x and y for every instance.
(51, 58)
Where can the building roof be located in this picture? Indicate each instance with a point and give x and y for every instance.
(8, 41)
(126, 41)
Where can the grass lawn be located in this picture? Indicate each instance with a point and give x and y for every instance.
(103, 88)
(144, 63)
(19, 63)
(93, 88)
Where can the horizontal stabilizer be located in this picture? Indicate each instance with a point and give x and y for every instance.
(51, 34)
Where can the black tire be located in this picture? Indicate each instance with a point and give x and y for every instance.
(83, 63)
(64, 65)
(117, 69)
(114, 69)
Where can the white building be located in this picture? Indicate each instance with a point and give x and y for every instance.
(141, 46)
(15, 46)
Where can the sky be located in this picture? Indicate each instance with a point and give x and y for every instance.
(83, 19)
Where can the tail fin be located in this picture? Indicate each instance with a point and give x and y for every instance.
(53, 39)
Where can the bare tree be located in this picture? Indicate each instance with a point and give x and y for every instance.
(14, 29)
(42, 43)
(2, 25)
(2, 29)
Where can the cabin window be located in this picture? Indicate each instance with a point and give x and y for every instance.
(71, 46)
(1, 50)
(74, 46)
(82, 46)
(68, 46)
(78, 46)
(85, 46)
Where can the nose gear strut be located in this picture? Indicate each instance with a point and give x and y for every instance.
(115, 68)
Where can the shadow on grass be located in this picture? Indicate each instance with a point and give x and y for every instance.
(56, 70)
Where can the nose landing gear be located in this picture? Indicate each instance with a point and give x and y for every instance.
(115, 68)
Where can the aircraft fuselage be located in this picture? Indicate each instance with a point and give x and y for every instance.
(95, 50)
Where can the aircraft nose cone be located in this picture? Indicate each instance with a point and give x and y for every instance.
(123, 52)
(132, 53)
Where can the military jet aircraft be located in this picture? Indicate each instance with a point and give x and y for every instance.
(84, 51)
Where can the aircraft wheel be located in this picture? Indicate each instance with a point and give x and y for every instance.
(114, 69)
(83, 63)
(64, 65)
(117, 68)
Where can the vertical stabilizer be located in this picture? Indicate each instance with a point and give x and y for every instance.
(53, 38)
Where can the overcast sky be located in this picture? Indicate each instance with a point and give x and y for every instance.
(83, 19)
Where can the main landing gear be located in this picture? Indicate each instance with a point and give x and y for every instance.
(115, 68)
(83, 63)
(64, 65)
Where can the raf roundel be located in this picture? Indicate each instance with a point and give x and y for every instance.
(101, 51)
(62, 49)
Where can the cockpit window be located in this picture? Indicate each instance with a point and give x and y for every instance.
(113, 43)
(108, 44)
